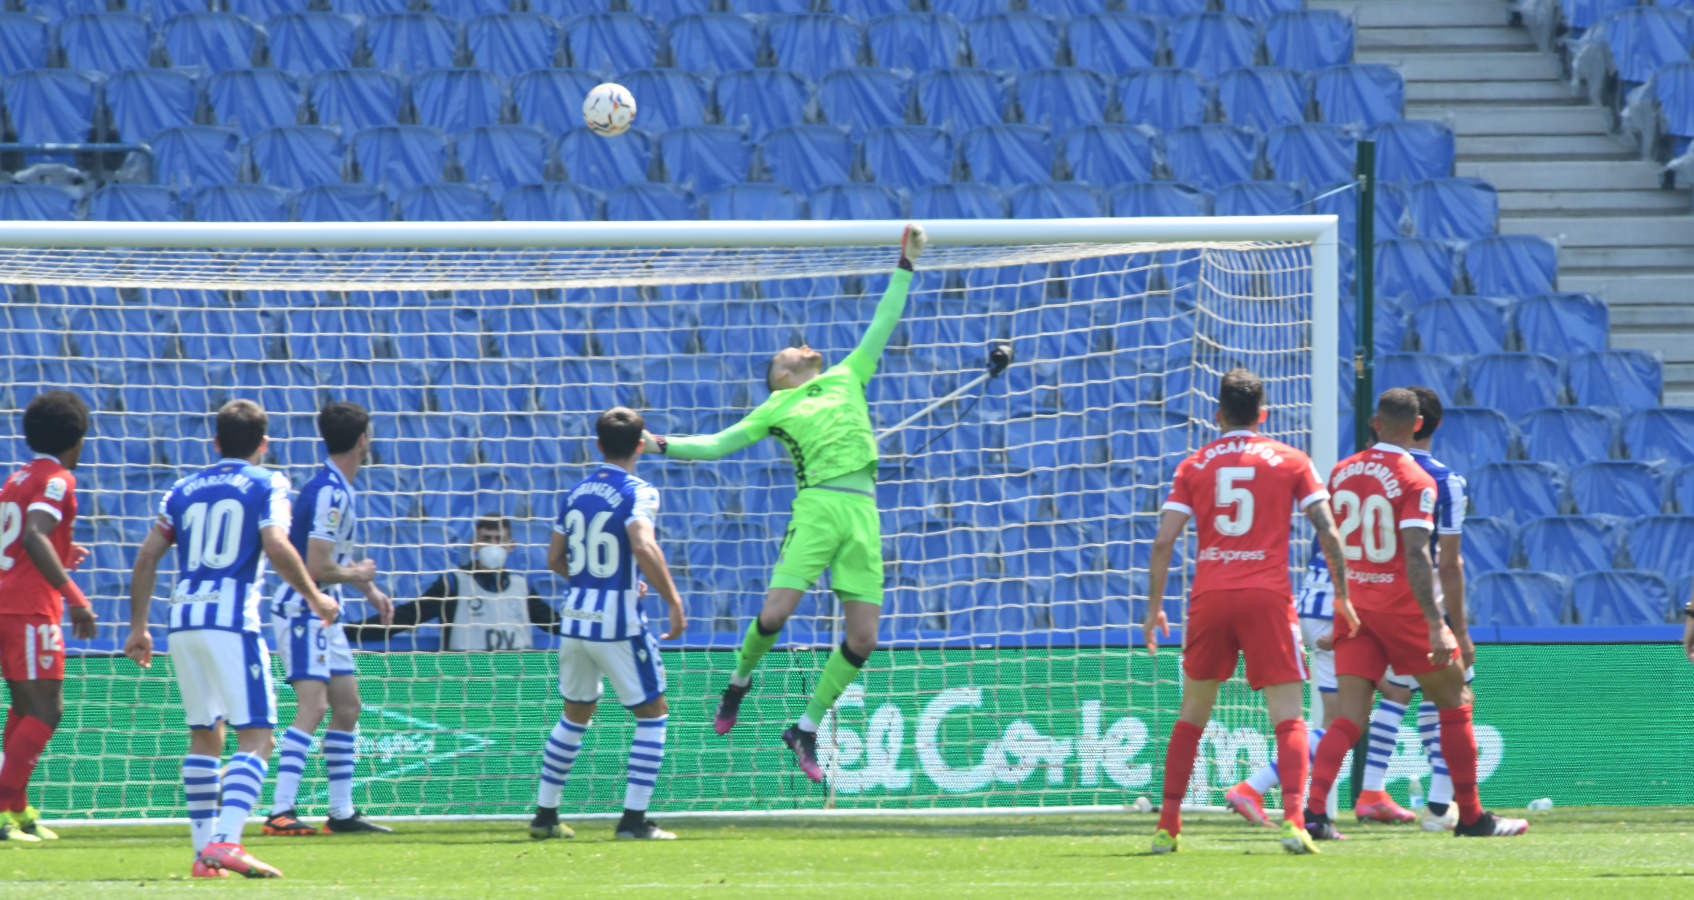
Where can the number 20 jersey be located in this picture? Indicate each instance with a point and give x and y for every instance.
(603, 603)
(1375, 493)
(215, 516)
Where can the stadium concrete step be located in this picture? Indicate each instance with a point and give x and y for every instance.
(1544, 147)
(1500, 38)
(1592, 203)
(1633, 175)
(1526, 65)
(1514, 119)
(1655, 316)
(1460, 91)
(1606, 231)
(1446, 13)
(1624, 262)
(1638, 294)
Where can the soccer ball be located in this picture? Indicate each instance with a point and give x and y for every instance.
(609, 109)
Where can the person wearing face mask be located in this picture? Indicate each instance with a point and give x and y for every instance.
(480, 605)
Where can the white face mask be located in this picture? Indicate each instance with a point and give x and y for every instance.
(491, 556)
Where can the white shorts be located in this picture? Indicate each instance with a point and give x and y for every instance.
(633, 665)
(1322, 663)
(311, 650)
(224, 676)
(1409, 683)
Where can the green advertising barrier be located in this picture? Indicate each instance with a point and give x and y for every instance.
(459, 734)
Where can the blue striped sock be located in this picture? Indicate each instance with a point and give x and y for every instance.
(242, 782)
(1384, 734)
(562, 746)
(341, 751)
(646, 753)
(200, 789)
(1429, 731)
(290, 768)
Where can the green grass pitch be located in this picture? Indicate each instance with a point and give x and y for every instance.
(1567, 853)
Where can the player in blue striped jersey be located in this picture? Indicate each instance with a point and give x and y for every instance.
(316, 658)
(603, 543)
(226, 520)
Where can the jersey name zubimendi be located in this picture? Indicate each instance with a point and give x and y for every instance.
(603, 602)
(324, 511)
(215, 516)
(1375, 493)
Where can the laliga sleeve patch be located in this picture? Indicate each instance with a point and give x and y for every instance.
(55, 489)
(1426, 500)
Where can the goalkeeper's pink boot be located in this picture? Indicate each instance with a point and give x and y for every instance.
(236, 859)
(805, 747)
(729, 707)
(1377, 806)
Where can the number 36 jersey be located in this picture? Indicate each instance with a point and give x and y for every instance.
(603, 602)
(1375, 493)
(1242, 490)
(214, 516)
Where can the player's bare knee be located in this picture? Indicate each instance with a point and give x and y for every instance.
(579, 713)
(344, 714)
(206, 741)
(652, 709)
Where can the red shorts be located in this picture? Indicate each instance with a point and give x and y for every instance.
(1261, 624)
(31, 648)
(1385, 639)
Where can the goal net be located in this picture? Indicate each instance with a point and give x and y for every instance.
(1018, 507)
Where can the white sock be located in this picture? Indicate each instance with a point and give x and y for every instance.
(200, 788)
(341, 752)
(290, 768)
(1429, 730)
(1384, 735)
(242, 782)
(1265, 777)
(740, 680)
(562, 746)
(806, 724)
(646, 753)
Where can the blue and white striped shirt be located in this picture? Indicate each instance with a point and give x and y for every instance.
(325, 512)
(603, 603)
(215, 517)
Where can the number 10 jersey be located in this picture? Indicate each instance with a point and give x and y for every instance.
(215, 516)
(603, 602)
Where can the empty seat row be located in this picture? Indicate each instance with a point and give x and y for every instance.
(1573, 544)
(1566, 436)
(1521, 491)
(1521, 599)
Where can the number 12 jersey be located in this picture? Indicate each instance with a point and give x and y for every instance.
(603, 603)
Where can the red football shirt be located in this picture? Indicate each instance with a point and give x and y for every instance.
(1241, 490)
(44, 485)
(1375, 493)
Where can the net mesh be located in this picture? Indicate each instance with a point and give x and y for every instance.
(1018, 515)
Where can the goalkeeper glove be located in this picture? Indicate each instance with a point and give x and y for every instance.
(912, 244)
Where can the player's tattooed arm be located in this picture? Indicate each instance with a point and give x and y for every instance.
(1451, 573)
(1323, 522)
(1420, 577)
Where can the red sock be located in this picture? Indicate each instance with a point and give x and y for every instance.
(12, 717)
(1458, 745)
(1179, 765)
(29, 736)
(1343, 733)
(1291, 764)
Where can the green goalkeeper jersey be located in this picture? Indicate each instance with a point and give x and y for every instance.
(824, 424)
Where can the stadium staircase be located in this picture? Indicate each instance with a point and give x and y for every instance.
(1560, 171)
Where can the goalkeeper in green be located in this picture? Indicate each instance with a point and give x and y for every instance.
(821, 418)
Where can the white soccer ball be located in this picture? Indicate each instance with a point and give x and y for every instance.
(609, 109)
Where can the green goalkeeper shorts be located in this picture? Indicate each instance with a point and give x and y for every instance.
(838, 530)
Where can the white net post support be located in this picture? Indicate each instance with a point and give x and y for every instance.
(1017, 513)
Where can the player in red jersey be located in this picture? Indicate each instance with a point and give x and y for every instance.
(1386, 502)
(37, 506)
(1241, 490)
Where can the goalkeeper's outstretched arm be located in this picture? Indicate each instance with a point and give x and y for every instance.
(862, 361)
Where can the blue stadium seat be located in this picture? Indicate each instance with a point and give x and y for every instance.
(671, 98)
(1680, 492)
(915, 42)
(703, 158)
(907, 156)
(398, 157)
(1114, 42)
(1411, 271)
(411, 42)
(1570, 545)
(1517, 491)
(144, 102)
(613, 42)
(1487, 545)
(1110, 154)
(1160, 198)
(1413, 150)
(445, 203)
(252, 100)
(862, 99)
(648, 202)
(1007, 155)
(714, 43)
(958, 200)
(1263, 98)
(1431, 370)
(1513, 383)
(1473, 437)
(958, 100)
(1062, 99)
(551, 99)
(105, 42)
(305, 43)
(218, 42)
(1568, 436)
(591, 159)
(550, 202)
(814, 44)
(51, 105)
(1460, 324)
(1520, 599)
(1581, 15)
(509, 44)
(1390, 213)
(456, 100)
(670, 10)
(1666, 434)
(770, 7)
(1449, 208)
(1362, 94)
(806, 158)
(1213, 43)
(1641, 39)
(196, 155)
(753, 201)
(36, 202)
(355, 99)
(462, 10)
(1166, 99)
(1311, 39)
(1057, 200)
(297, 156)
(565, 10)
(965, 10)
(1257, 198)
(134, 203)
(855, 201)
(1262, 10)
(1512, 264)
(1614, 379)
(1669, 110)
(25, 42)
(342, 203)
(1014, 42)
(1211, 156)
(500, 157)
(865, 10)
(372, 8)
(760, 101)
(1561, 323)
(1617, 488)
(1312, 155)
(1620, 598)
(1660, 544)
(240, 203)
